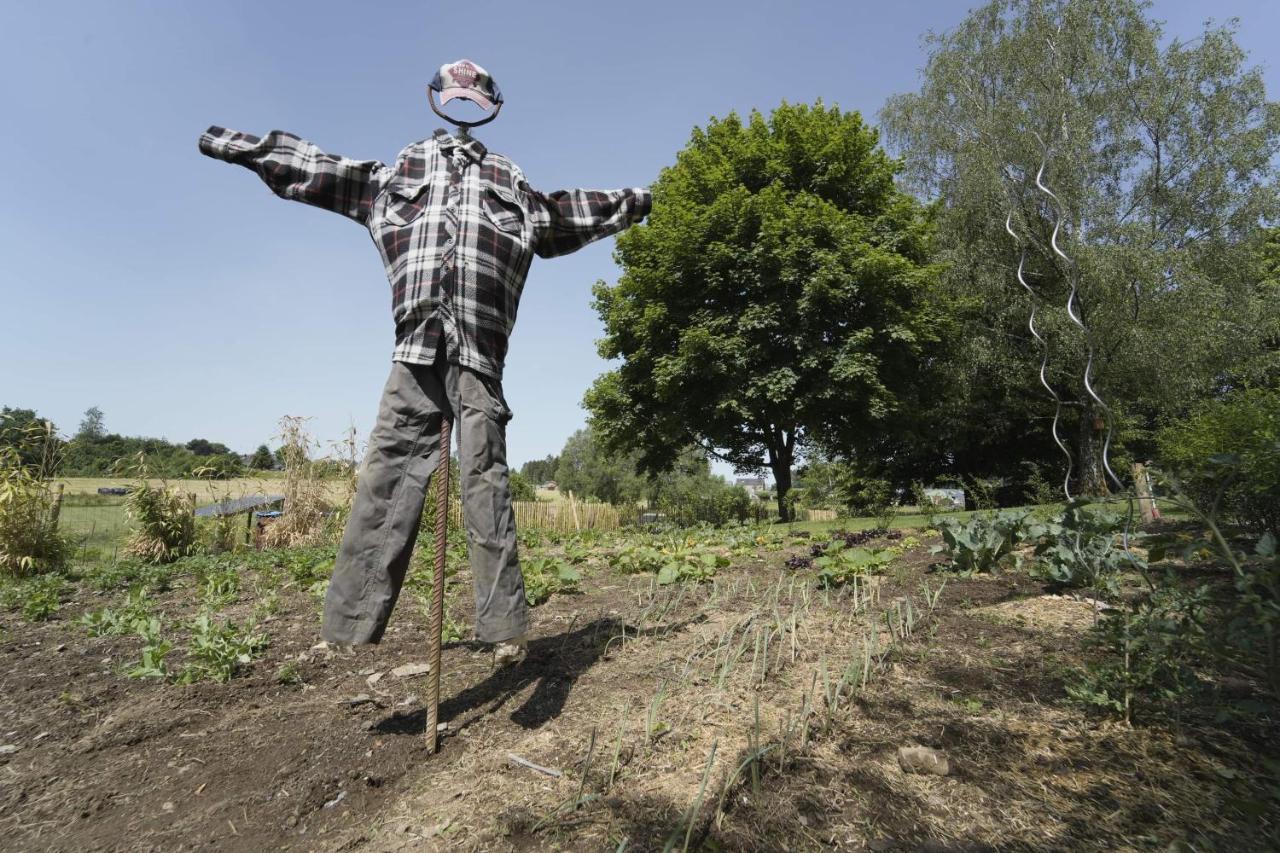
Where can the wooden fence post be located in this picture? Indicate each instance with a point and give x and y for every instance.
(56, 509)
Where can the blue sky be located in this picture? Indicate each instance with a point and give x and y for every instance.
(180, 296)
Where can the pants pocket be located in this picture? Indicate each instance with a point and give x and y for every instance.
(496, 404)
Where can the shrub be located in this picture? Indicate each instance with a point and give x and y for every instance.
(704, 500)
(1150, 653)
(521, 488)
(924, 504)
(984, 492)
(165, 520)
(1227, 454)
(29, 538)
(864, 495)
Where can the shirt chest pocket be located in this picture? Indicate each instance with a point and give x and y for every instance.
(502, 209)
(403, 204)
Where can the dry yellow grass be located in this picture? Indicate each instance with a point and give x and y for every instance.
(206, 490)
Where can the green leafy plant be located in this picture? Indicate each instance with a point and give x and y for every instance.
(1081, 547)
(451, 630)
(219, 584)
(217, 651)
(154, 649)
(576, 552)
(696, 567)
(839, 565)
(41, 596)
(637, 559)
(122, 574)
(984, 542)
(288, 673)
(545, 576)
(114, 622)
(1149, 653)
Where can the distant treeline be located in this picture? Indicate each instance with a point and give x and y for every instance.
(94, 452)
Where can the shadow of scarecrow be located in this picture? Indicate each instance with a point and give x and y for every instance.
(553, 666)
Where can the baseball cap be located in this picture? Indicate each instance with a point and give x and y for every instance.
(465, 79)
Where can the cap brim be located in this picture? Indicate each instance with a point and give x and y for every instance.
(447, 95)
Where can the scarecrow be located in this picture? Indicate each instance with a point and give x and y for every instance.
(457, 226)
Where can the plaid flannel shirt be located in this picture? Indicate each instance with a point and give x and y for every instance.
(456, 225)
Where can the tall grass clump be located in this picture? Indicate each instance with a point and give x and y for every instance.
(163, 516)
(306, 518)
(29, 538)
(347, 454)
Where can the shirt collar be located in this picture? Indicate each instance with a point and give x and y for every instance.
(472, 147)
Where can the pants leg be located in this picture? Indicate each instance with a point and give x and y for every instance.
(501, 610)
(379, 537)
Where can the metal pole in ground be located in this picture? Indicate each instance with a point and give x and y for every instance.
(435, 629)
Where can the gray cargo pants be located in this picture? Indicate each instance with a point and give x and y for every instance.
(404, 449)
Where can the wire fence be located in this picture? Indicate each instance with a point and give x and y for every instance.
(103, 525)
(99, 525)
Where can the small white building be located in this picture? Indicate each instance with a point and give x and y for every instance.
(755, 486)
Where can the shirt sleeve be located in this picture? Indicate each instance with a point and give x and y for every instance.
(567, 220)
(296, 169)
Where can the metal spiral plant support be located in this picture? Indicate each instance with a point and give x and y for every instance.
(1074, 314)
(1044, 352)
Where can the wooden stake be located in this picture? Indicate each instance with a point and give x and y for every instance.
(56, 509)
(436, 626)
(1142, 485)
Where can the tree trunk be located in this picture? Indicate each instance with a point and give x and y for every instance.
(1091, 481)
(782, 447)
(782, 477)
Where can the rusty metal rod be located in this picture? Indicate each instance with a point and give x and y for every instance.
(435, 629)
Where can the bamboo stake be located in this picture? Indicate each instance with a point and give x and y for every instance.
(434, 631)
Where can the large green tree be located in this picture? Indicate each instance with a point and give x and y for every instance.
(1160, 153)
(587, 469)
(539, 471)
(35, 439)
(93, 426)
(262, 460)
(776, 298)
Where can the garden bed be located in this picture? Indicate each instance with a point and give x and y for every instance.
(805, 694)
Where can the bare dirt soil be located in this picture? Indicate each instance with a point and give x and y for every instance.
(758, 712)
